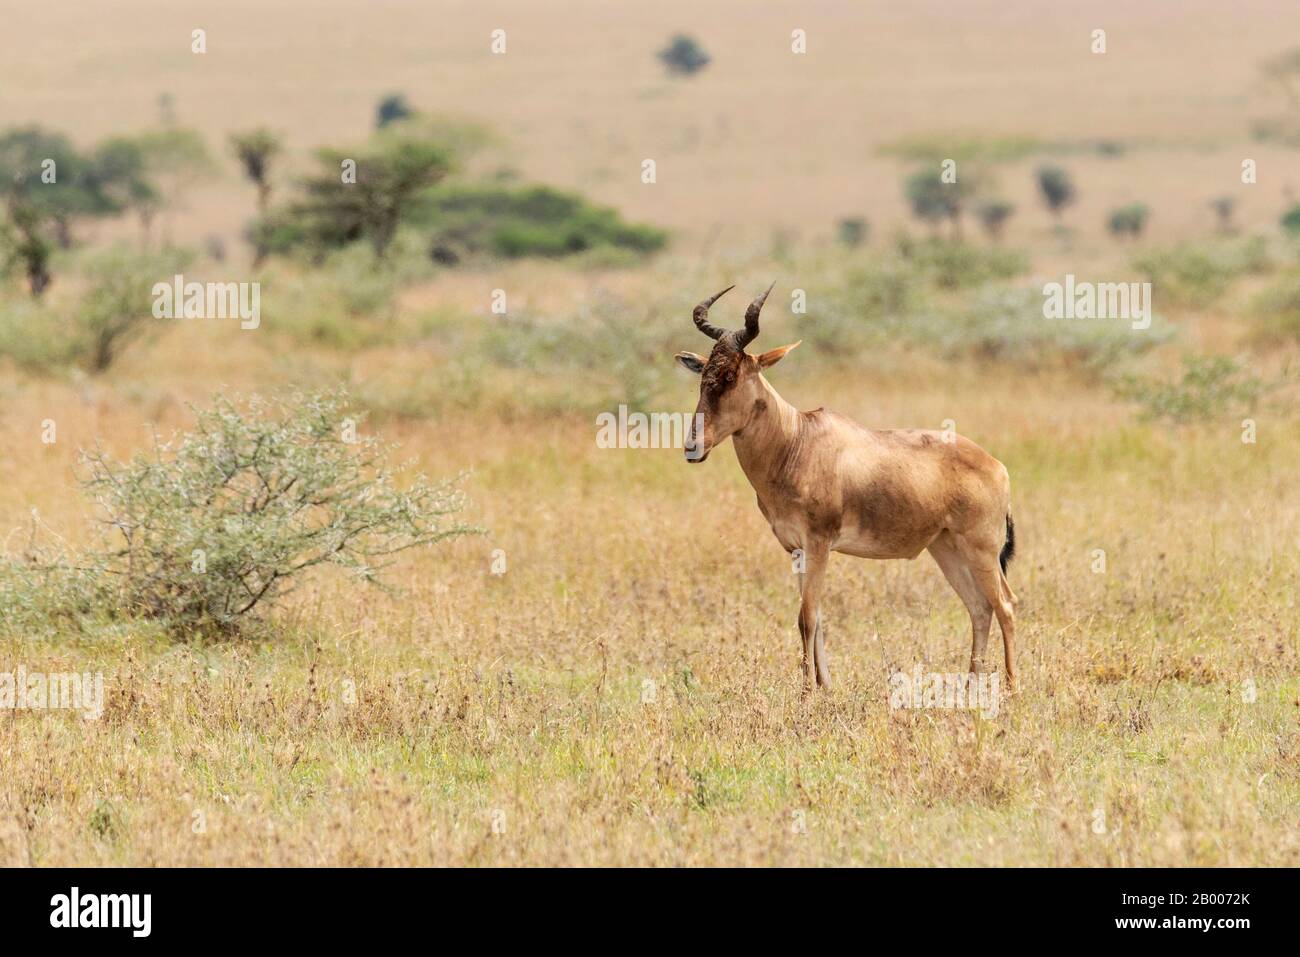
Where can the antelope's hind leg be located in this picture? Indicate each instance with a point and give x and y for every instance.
(819, 649)
(955, 569)
(987, 573)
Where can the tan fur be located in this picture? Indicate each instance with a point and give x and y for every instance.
(826, 484)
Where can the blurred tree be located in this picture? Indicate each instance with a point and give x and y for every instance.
(254, 149)
(852, 231)
(25, 243)
(176, 159)
(390, 174)
(934, 201)
(1224, 207)
(993, 215)
(121, 163)
(1129, 220)
(391, 109)
(684, 56)
(1291, 220)
(1057, 188)
(51, 185)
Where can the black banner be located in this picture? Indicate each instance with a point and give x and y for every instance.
(335, 907)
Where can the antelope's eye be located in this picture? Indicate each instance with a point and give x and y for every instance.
(729, 378)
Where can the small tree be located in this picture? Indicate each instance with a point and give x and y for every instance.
(1129, 220)
(255, 149)
(50, 186)
(934, 201)
(391, 174)
(993, 216)
(117, 309)
(684, 56)
(220, 523)
(1224, 207)
(853, 231)
(1290, 220)
(925, 195)
(127, 169)
(27, 245)
(391, 109)
(1057, 188)
(176, 159)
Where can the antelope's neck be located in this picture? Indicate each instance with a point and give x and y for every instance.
(764, 446)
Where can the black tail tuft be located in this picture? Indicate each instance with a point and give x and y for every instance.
(1009, 549)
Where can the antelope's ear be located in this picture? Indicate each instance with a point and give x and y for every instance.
(690, 361)
(773, 356)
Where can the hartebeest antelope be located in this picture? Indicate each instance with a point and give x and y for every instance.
(826, 484)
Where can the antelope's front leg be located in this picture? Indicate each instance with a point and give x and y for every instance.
(810, 586)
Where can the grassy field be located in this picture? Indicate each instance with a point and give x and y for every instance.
(628, 691)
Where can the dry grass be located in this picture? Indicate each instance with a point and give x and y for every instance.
(523, 693)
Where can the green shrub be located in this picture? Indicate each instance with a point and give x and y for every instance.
(528, 221)
(213, 527)
(993, 215)
(852, 231)
(1198, 274)
(1004, 322)
(1129, 220)
(34, 335)
(1291, 220)
(348, 301)
(1276, 308)
(951, 265)
(933, 201)
(998, 322)
(44, 589)
(1210, 387)
(114, 311)
(117, 308)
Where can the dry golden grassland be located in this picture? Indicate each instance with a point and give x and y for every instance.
(628, 691)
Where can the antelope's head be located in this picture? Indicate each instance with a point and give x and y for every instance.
(731, 382)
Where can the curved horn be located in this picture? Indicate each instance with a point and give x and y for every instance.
(701, 316)
(750, 332)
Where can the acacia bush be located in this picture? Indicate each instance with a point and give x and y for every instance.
(349, 301)
(1198, 274)
(1276, 308)
(209, 529)
(956, 265)
(1210, 387)
(887, 305)
(1128, 220)
(1007, 322)
(113, 311)
(516, 221)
